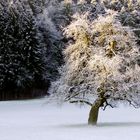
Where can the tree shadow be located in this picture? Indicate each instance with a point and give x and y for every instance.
(102, 124)
(118, 124)
(74, 125)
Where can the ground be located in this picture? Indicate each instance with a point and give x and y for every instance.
(37, 120)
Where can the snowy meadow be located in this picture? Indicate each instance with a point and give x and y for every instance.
(36, 120)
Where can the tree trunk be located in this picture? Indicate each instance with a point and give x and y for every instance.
(93, 115)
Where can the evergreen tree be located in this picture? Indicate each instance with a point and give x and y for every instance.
(22, 60)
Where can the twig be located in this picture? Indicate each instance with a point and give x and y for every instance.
(135, 106)
(107, 104)
(81, 101)
(71, 96)
(129, 101)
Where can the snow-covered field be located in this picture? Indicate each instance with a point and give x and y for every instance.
(35, 120)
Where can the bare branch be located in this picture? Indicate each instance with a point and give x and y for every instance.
(81, 101)
(107, 104)
(129, 101)
(71, 96)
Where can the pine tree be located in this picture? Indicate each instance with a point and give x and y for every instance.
(22, 62)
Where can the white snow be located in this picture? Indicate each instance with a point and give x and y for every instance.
(35, 120)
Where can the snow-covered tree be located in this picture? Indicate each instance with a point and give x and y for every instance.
(128, 13)
(31, 43)
(118, 5)
(22, 54)
(101, 65)
(52, 38)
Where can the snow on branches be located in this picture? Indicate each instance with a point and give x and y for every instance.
(100, 61)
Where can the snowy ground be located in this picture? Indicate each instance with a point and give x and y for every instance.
(34, 120)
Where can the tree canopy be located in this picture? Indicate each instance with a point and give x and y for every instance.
(101, 58)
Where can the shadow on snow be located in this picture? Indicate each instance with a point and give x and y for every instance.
(103, 124)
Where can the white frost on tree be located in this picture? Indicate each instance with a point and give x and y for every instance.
(101, 65)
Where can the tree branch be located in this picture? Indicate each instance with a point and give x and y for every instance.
(107, 104)
(71, 96)
(81, 101)
(129, 101)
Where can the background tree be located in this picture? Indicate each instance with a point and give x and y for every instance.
(101, 65)
(22, 62)
(52, 39)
